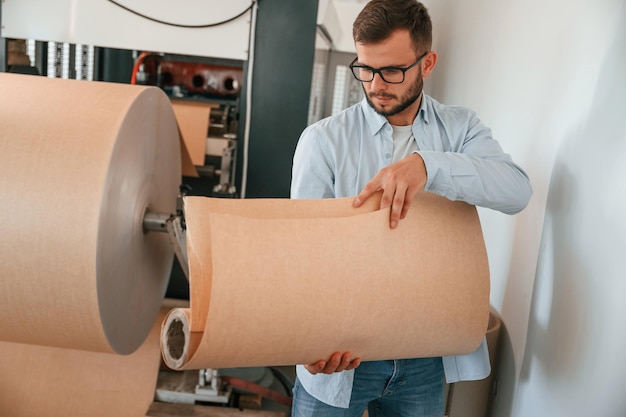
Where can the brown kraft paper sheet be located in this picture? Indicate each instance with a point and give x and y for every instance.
(280, 282)
(193, 122)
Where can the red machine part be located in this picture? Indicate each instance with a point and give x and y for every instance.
(201, 78)
(195, 78)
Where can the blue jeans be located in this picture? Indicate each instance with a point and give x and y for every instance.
(400, 388)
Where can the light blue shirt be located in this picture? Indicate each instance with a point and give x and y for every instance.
(337, 156)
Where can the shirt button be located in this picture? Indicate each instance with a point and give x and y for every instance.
(387, 155)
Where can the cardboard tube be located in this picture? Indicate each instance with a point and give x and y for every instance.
(280, 282)
(80, 163)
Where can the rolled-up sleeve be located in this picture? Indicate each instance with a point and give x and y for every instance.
(312, 173)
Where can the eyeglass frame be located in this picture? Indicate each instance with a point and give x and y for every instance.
(379, 71)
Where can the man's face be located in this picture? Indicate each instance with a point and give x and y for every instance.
(390, 104)
(392, 99)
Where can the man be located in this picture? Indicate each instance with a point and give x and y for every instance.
(400, 141)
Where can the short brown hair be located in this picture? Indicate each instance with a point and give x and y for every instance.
(380, 18)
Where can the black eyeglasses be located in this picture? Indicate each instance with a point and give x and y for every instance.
(391, 75)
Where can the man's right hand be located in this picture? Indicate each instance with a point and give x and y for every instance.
(400, 183)
(336, 363)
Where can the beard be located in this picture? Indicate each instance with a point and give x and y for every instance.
(410, 97)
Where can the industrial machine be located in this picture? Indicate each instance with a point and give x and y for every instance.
(204, 66)
(252, 388)
(214, 84)
(221, 149)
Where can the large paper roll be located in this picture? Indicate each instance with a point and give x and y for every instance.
(279, 282)
(80, 163)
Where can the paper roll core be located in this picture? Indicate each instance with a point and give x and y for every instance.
(175, 338)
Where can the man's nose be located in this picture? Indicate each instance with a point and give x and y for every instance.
(378, 82)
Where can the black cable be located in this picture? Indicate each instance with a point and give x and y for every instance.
(178, 25)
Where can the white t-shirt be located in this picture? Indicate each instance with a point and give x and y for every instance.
(403, 142)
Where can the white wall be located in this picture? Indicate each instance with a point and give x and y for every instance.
(549, 77)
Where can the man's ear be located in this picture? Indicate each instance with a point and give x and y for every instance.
(429, 63)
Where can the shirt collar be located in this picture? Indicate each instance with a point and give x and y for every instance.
(376, 122)
(423, 111)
